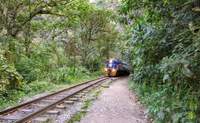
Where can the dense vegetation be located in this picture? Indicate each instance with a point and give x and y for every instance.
(44, 43)
(163, 37)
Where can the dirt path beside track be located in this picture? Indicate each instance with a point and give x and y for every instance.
(116, 104)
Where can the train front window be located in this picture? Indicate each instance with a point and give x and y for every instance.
(111, 65)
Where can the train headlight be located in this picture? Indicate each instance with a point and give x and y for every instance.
(105, 69)
(113, 70)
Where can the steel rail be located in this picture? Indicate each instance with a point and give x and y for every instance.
(40, 111)
(13, 109)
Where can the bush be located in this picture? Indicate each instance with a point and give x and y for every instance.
(28, 69)
(59, 75)
(39, 86)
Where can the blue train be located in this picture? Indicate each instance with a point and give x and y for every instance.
(115, 67)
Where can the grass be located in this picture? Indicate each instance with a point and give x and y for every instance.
(14, 97)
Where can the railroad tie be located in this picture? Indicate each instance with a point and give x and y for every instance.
(53, 98)
(81, 94)
(61, 107)
(73, 99)
(26, 110)
(46, 101)
(39, 105)
(69, 102)
(78, 96)
(53, 112)
(41, 120)
(85, 91)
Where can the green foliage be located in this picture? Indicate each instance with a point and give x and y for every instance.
(48, 43)
(38, 86)
(97, 37)
(164, 53)
(67, 74)
(9, 77)
(166, 104)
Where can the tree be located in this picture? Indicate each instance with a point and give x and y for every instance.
(94, 28)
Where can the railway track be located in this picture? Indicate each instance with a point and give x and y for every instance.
(27, 112)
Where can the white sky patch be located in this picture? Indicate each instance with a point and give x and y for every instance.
(92, 1)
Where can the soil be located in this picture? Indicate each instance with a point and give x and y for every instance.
(116, 104)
